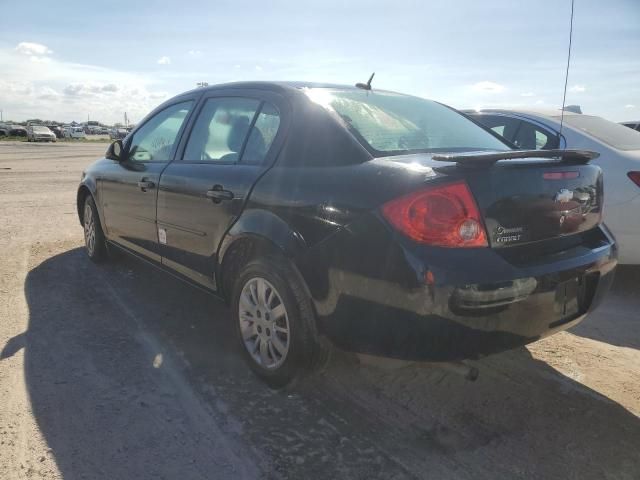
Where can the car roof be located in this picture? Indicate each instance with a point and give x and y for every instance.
(274, 85)
(525, 111)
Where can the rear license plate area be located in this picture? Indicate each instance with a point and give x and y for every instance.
(568, 302)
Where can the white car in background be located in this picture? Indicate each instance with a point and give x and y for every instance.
(619, 149)
(74, 132)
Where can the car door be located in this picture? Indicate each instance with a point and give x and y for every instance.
(128, 189)
(233, 140)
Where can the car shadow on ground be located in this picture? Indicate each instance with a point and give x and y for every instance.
(132, 374)
(617, 320)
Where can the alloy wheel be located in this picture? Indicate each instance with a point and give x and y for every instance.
(264, 324)
(89, 229)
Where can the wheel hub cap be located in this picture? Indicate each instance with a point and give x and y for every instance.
(264, 323)
(89, 229)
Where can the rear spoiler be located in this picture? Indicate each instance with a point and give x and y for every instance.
(486, 159)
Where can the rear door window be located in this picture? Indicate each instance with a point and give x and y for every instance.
(231, 130)
(262, 135)
(530, 136)
(506, 127)
(525, 135)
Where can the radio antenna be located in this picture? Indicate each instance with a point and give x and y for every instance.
(566, 76)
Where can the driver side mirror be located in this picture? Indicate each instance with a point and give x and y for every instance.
(114, 152)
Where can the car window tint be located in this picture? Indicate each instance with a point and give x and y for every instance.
(221, 129)
(506, 127)
(542, 140)
(262, 135)
(499, 129)
(154, 141)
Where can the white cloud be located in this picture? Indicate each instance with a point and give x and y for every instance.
(236, 66)
(40, 59)
(33, 49)
(488, 87)
(527, 94)
(48, 93)
(66, 91)
(258, 68)
(629, 106)
(578, 88)
(164, 60)
(195, 53)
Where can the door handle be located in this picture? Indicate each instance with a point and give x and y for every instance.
(218, 194)
(145, 184)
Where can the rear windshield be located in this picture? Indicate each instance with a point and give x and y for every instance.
(390, 123)
(613, 134)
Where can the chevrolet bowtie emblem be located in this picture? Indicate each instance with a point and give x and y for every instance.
(564, 196)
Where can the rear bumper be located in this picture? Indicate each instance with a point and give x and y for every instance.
(440, 305)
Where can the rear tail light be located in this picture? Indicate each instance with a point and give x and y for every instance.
(635, 177)
(444, 216)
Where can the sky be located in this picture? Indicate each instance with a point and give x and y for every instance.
(77, 60)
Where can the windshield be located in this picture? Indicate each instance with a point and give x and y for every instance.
(391, 123)
(40, 129)
(613, 134)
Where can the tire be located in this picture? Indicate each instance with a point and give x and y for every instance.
(277, 358)
(94, 241)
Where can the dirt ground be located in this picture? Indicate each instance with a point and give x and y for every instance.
(121, 372)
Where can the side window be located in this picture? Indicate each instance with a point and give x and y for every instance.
(219, 133)
(262, 135)
(499, 129)
(532, 137)
(542, 140)
(506, 127)
(155, 140)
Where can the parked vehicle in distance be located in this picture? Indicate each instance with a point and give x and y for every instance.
(619, 149)
(388, 224)
(4, 130)
(118, 133)
(631, 125)
(74, 132)
(17, 131)
(40, 133)
(57, 130)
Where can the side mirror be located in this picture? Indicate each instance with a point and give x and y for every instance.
(114, 152)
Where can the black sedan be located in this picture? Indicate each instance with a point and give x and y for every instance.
(389, 224)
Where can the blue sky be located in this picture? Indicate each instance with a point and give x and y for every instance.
(70, 59)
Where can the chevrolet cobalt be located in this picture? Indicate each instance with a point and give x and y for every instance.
(388, 224)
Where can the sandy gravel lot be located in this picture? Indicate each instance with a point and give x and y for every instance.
(122, 372)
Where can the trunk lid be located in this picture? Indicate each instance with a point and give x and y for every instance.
(525, 199)
(533, 202)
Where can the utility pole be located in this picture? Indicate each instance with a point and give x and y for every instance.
(1, 112)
